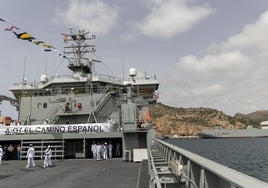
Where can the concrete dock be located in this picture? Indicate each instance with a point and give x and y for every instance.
(71, 173)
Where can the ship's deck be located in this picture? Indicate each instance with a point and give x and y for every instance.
(71, 173)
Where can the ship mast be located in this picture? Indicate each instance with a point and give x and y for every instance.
(80, 64)
(79, 48)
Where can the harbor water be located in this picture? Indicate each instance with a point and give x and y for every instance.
(247, 155)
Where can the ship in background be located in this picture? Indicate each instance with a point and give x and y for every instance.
(70, 112)
(249, 132)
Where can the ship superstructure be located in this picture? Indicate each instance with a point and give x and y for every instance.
(84, 99)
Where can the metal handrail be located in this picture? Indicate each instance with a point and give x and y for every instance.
(155, 179)
(204, 172)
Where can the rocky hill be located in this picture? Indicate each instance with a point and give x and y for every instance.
(254, 118)
(190, 121)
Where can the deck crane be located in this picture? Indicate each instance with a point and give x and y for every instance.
(13, 102)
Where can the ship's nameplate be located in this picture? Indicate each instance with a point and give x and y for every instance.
(50, 129)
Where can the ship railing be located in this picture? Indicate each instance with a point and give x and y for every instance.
(64, 91)
(153, 173)
(192, 170)
(104, 98)
(52, 116)
(94, 75)
(125, 78)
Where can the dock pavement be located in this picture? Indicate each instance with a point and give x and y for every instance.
(76, 173)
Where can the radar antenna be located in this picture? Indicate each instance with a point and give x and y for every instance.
(78, 49)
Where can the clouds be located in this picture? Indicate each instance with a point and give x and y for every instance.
(169, 18)
(219, 78)
(253, 36)
(163, 19)
(210, 75)
(204, 53)
(95, 16)
(233, 64)
(231, 75)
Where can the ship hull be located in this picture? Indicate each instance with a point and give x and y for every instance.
(234, 133)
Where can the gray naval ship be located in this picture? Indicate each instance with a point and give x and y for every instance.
(70, 112)
(249, 132)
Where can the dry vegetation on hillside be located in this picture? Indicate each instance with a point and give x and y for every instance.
(190, 121)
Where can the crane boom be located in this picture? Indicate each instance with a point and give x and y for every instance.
(13, 102)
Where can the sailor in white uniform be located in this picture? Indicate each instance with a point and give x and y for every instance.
(104, 151)
(94, 149)
(30, 156)
(98, 151)
(48, 154)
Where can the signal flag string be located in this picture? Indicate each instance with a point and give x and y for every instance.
(20, 34)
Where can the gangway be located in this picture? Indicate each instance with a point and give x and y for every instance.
(171, 166)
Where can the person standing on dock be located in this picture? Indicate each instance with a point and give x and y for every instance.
(94, 149)
(30, 156)
(98, 151)
(5, 152)
(48, 154)
(19, 152)
(10, 150)
(104, 151)
(110, 149)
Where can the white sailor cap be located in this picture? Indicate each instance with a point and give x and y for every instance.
(48, 146)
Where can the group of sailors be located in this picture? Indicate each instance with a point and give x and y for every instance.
(47, 157)
(10, 152)
(100, 151)
(103, 151)
(29, 156)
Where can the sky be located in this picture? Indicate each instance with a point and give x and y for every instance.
(204, 53)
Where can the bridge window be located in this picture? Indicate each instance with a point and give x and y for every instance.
(44, 105)
(39, 105)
